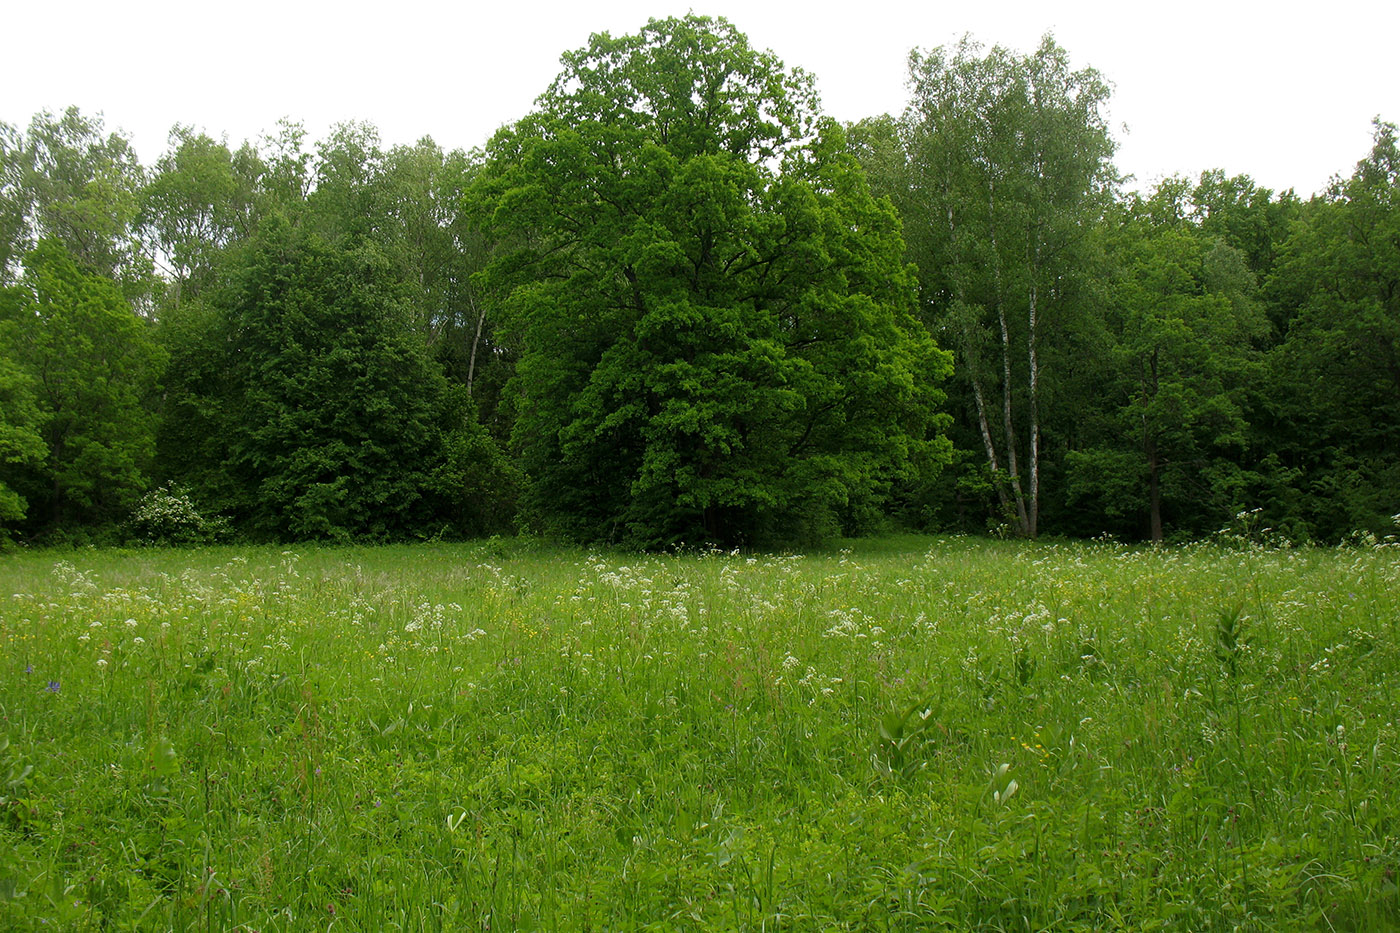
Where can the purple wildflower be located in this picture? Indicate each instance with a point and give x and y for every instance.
(53, 686)
(29, 669)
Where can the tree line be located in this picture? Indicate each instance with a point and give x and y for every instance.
(675, 304)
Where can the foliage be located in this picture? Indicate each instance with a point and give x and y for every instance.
(168, 515)
(1331, 414)
(309, 408)
(675, 304)
(94, 368)
(713, 323)
(1183, 331)
(77, 185)
(14, 203)
(1006, 172)
(199, 200)
(1245, 216)
(20, 442)
(434, 235)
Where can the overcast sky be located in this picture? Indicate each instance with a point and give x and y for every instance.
(1284, 91)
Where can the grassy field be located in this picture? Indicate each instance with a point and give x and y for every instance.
(916, 734)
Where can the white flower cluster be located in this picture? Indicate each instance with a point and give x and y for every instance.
(168, 515)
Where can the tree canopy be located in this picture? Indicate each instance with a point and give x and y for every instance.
(1008, 168)
(83, 377)
(713, 316)
(676, 304)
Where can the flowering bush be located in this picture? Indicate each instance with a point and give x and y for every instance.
(167, 515)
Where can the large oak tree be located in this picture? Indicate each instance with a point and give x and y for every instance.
(714, 323)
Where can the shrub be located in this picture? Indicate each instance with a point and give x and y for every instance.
(168, 516)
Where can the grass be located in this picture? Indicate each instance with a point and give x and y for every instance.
(912, 734)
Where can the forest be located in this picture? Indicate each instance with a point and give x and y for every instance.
(675, 305)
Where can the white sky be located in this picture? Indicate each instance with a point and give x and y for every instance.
(1282, 91)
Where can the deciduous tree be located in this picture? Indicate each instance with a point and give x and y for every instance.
(93, 365)
(1009, 167)
(83, 187)
(714, 323)
(1334, 407)
(198, 201)
(319, 412)
(1184, 332)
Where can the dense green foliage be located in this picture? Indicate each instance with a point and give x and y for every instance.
(1337, 286)
(92, 370)
(922, 734)
(1007, 168)
(20, 443)
(327, 417)
(714, 322)
(1180, 332)
(1142, 364)
(677, 304)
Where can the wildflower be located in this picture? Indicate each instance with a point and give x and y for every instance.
(29, 669)
(53, 686)
(101, 662)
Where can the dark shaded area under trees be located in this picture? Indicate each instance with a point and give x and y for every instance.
(677, 305)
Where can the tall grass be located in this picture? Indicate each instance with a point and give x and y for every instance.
(914, 734)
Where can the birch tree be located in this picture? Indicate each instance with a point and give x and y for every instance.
(1009, 165)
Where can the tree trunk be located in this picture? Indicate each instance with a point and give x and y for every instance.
(1154, 486)
(1022, 520)
(1009, 425)
(476, 340)
(1034, 517)
(971, 365)
(988, 442)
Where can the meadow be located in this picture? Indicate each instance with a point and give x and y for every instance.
(907, 734)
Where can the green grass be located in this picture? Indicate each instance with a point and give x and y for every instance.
(915, 734)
